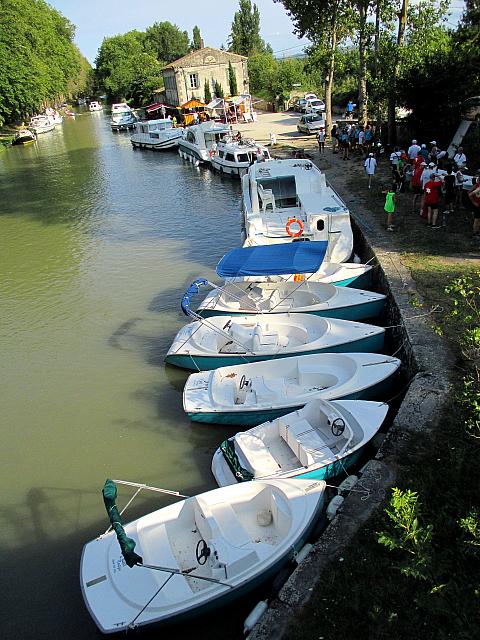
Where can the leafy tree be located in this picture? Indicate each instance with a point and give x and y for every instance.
(274, 79)
(218, 90)
(166, 41)
(197, 39)
(232, 80)
(207, 93)
(39, 62)
(245, 35)
(125, 70)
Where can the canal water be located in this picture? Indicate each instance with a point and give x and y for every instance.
(97, 244)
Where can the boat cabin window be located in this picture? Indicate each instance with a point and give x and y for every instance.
(190, 137)
(243, 157)
(230, 157)
(221, 154)
(155, 135)
(284, 190)
(144, 128)
(320, 225)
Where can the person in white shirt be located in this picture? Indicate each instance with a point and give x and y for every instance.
(395, 156)
(361, 141)
(370, 165)
(460, 159)
(459, 180)
(413, 150)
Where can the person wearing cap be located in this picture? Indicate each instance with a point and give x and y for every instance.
(413, 150)
(424, 152)
(417, 183)
(370, 165)
(460, 159)
(432, 191)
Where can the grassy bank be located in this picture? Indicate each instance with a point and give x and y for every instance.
(414, 570)
(6, 135)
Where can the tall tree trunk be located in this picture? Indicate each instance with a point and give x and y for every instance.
(362, 72)
(331, 72)
(392, 98)
(376, 46)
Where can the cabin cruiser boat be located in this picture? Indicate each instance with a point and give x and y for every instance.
(201, 140)
(41, 124)
(234, 157)
(122, 117)
(289, 200)
(95, 106)
(156, 134)
(23, 137)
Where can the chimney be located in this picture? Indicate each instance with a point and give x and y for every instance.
(202, 46)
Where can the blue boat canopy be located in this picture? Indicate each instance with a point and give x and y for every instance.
(192, 290)
(273, 259)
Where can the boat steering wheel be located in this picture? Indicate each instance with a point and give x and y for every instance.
(243, 382)
(338, 426)
(202, 552)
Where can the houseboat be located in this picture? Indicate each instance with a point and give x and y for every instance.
(41, 124)
(234, 156)
(95, 106)
(122, 117)
(156, 134)
(201, 140)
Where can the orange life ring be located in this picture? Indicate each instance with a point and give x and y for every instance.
(289, 224)
(298, 277)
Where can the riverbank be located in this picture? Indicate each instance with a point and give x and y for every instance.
(426, 567)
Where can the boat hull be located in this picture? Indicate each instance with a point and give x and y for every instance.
(362, 311)
(368, 344)
(160, 146)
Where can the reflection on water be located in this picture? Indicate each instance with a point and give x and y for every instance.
(97, 243)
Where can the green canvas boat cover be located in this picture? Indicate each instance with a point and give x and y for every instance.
(127, 545)
(228, 449)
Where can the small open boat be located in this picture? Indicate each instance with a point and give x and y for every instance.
(292, 297)
(23, 137)
(220, 341)
(41, 124)
(248, 394)
(196, 555)
(318, 442)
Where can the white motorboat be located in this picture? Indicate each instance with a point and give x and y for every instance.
(292, 297)
(24, 137)
(54, 116)
(234, 156)
(317, 442)
(290, 200)
(248, 394)
(156, 134)
(95, 106)
(229, 340)
(122, 117)
(41, 124)
(200, 140)
(197, 554)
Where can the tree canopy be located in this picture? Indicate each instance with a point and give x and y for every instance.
(245, 35)
(166, 41)
(197, 39)
(39, 62)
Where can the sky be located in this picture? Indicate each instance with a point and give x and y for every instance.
(95, 19)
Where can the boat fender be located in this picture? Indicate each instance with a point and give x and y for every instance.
(294, 234)
(347, 485)
(254, 616)
(303, 553)
(333, 506)
(264, 518)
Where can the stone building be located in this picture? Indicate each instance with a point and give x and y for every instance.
(185, 78)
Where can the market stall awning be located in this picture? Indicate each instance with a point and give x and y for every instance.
(193, 104)
(273, 259)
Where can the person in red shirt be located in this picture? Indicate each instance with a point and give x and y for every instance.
(417, 182)
(432, 191)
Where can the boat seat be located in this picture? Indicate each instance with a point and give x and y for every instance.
(305, 442)
(209, 341)
(240, 333)
(263, 339)
(267, 198)
(256, 452)
(309, 375)
(263, 392)
(219, 519)
(279, 302)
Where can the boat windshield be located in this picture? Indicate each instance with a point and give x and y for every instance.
(284, 190)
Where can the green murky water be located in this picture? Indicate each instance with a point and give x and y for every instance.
(97, 244)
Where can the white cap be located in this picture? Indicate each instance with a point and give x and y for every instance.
(414, 142)
(371, 154)
(432, 164)
(433, 142)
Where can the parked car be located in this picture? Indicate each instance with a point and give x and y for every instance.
(310, 123)
(471, 109)
(314, 106)
(299, 105)
(310, 96)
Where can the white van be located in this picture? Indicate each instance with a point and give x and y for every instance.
(314, 105)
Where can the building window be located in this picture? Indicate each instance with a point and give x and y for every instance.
(194, 81)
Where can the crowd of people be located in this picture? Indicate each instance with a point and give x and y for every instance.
(436, 181)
